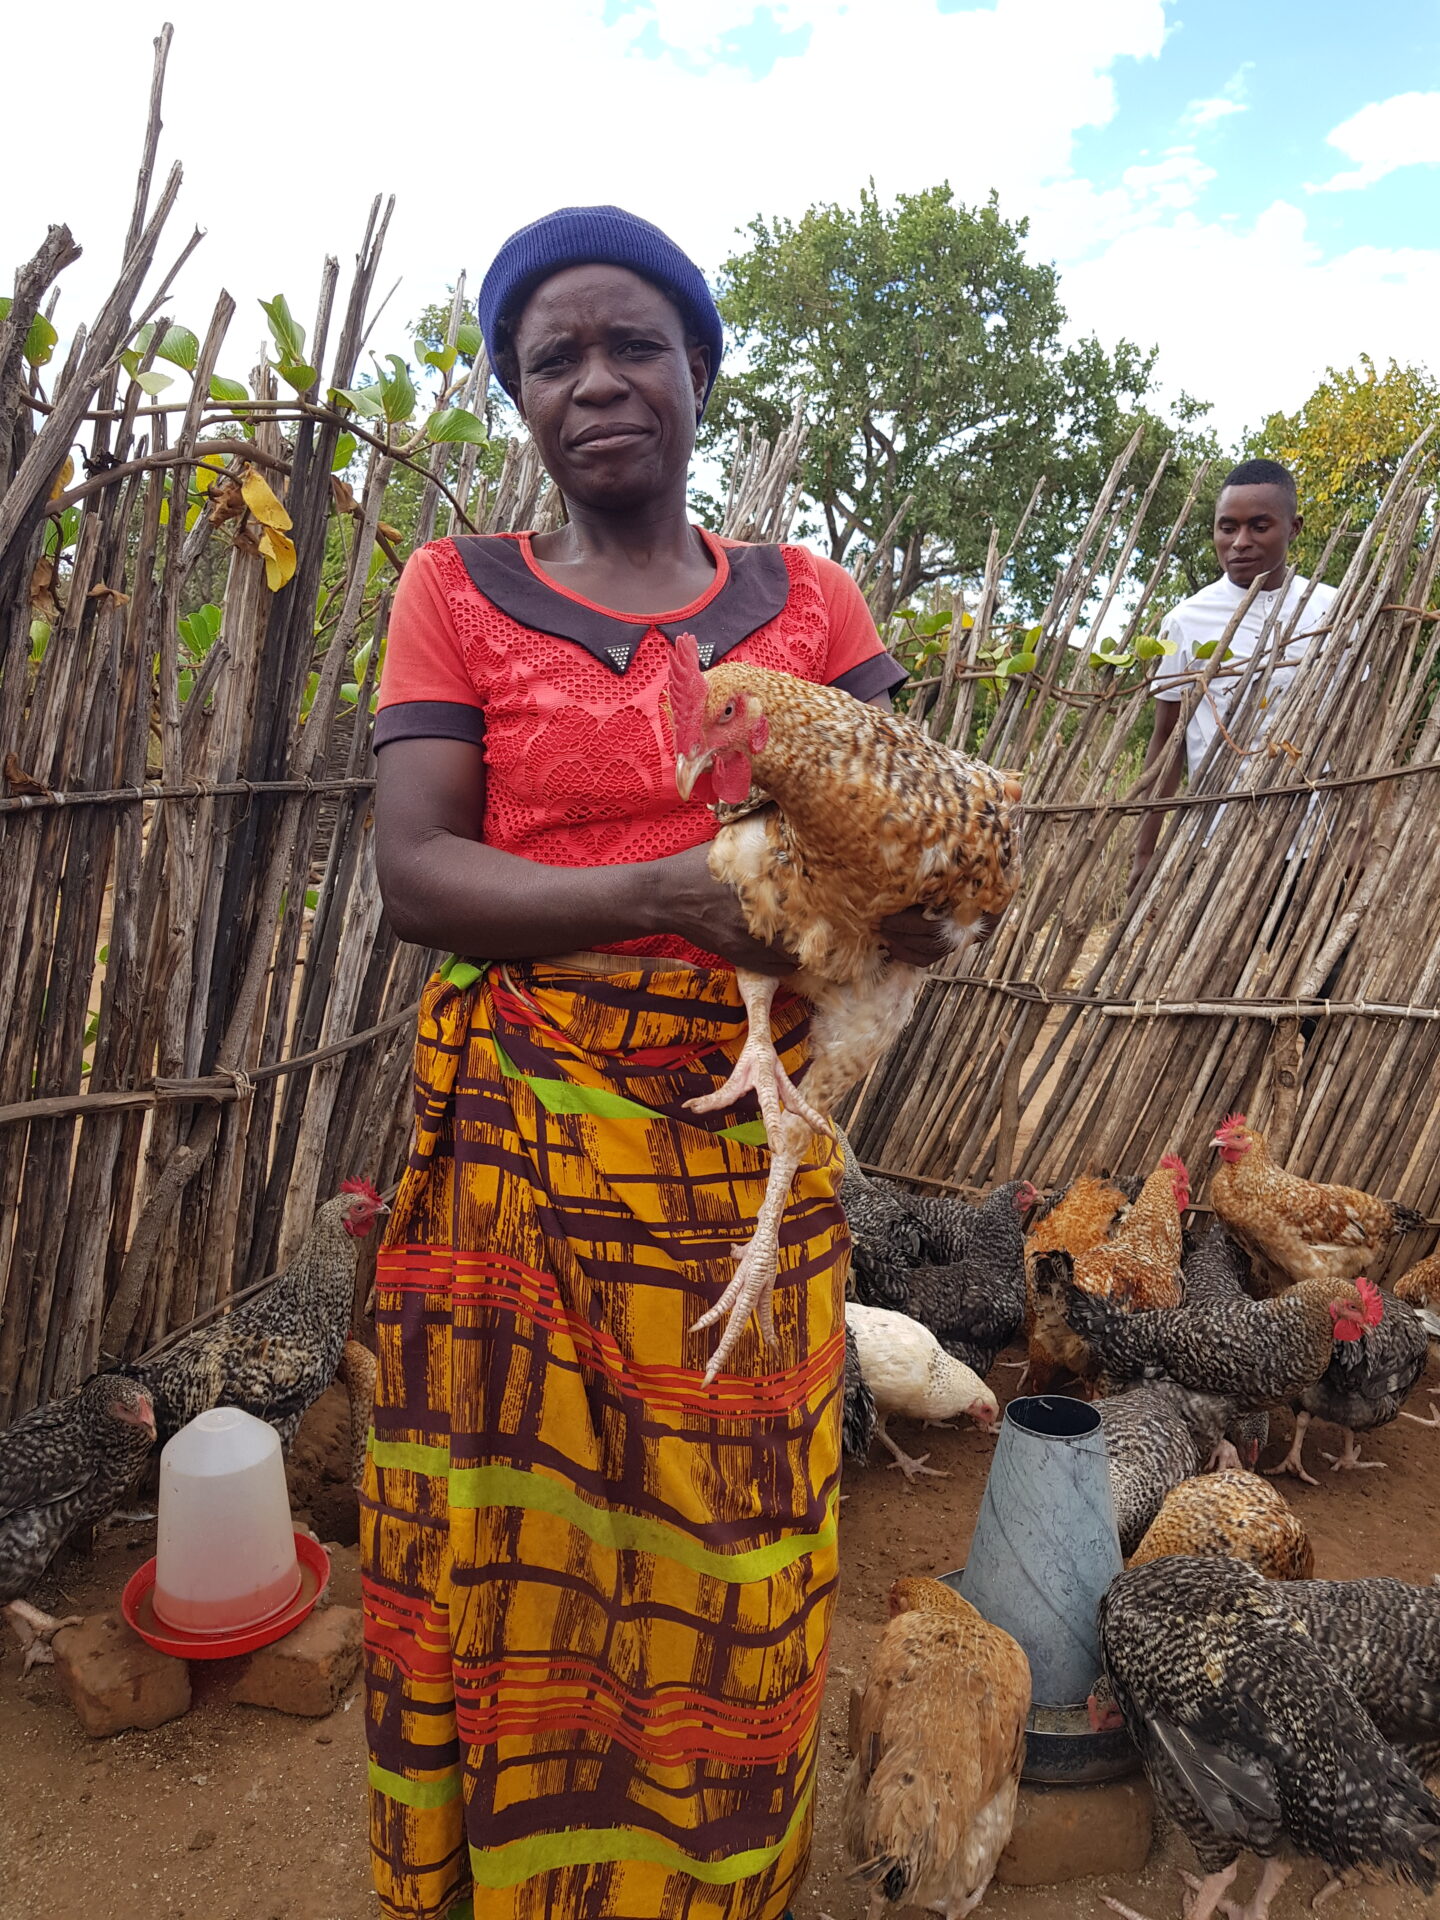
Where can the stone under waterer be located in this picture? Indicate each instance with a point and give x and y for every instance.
(1044, 1550)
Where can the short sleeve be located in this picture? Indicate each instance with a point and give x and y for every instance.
(1174, 663)
(425, 691)
(856, 661)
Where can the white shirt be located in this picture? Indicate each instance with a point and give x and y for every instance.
(1204, 617)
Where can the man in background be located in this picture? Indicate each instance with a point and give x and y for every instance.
(1257, 518)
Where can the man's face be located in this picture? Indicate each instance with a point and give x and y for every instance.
(1253, 529)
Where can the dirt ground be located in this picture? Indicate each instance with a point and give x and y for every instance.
(235, 1813)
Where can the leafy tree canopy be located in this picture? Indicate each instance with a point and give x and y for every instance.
(928, 352)
(1344, 446)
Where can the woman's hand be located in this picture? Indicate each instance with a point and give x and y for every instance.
(687, 899)
(915, 940)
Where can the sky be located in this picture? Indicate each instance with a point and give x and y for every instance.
(1254, 190)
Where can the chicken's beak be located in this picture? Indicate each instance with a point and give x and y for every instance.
(688, 769)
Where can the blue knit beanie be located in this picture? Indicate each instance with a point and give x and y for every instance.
(576, 236)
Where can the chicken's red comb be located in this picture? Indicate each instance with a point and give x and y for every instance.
(1176, 1167)
(687, 692)
(362, 1186)
(1372, 1305)
(1230, 1122)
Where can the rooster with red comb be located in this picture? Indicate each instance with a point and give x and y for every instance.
(1377, 1357)
(276, 1354)
(851, 814)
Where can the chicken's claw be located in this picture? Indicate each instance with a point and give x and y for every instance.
(1431, 1419)
(36, 1630)
(1224, 1456)
(1349, 1460)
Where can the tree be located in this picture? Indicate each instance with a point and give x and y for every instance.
(1344, 446)
(928, 352)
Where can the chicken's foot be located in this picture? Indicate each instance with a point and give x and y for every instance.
(1224, 1457)
(758, 1069)
(753, 1281)
(36, 1630)
(1294, 1460)
(1276, 1873)
(1350, 1458)
(1431, 1419)
(910, 1465)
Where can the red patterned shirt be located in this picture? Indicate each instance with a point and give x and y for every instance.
(566, 695)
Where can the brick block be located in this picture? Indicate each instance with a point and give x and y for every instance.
(115, 1681)
(1067, 1833)
(308, 1670)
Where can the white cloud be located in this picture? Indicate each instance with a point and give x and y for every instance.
(1403, 131)
(1203, 114)
(1176, 180)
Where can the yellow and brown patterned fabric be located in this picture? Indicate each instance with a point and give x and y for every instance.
(597, 1592)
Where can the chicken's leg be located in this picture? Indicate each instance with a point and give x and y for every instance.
(36, 1630)
(1294, 1460)
(909, 1464)
(1224, 1457)
(758, 1070)
(753, 1281)
(1350, 1458)
(1206, 1895)
(1431, 1419)
(1276, 1873)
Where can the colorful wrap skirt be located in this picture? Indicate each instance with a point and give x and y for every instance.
(597, 1592)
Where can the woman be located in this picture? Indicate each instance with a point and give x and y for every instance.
(597, 1592)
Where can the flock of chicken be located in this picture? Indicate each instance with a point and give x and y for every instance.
(70, 1464)
(1275, 1714)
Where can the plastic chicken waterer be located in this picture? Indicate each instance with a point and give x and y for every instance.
(225, 1553)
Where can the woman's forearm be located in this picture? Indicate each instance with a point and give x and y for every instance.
(446, 891)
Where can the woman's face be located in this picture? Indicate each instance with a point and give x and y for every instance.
(608, 388)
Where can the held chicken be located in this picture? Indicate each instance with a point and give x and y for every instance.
(1365, 1385)
(65, 1466)
(1137, 1268)
(1250, 1738)
(275, 1355)
(931, 1795)
(908, 1372)
(1303, 1229)
(865, 816)
(1420, 1289)
(1258, 1353)
(1234, 1514)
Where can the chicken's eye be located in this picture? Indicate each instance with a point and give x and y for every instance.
(727, 712)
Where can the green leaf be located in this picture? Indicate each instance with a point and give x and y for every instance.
(307, 698)
(199, 630)
(285, 330)
(468, 339)
(229, 393)
(1018, 663)
(362, 659)
(367, 401)
(180, 348)
(185, 683)
(456, 423)
(103, 956)
(39, 640)
(312, 898)
(297, 374)
(1033, 636)
(397, 394)
(344, 452)
(934, 623)
(442, 357)
(40, 341)
(153, 383)
(349, 693)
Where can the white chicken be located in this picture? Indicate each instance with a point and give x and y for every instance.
(908, 1372)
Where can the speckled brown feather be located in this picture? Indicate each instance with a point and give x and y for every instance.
(1235, 1514)
(1079, 1220)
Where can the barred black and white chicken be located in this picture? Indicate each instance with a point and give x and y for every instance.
(65, 1466)
(275, 1355)
(1250, 1737)
(1156, 1435)
(1365, 1385)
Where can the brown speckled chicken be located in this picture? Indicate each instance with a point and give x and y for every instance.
(1137, 1268)
(865, 817)
(1237, 1514)
(1250, 1737)
(1303, 1229)
(275, 1355)
(1420, 1289)
(931, 1795)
